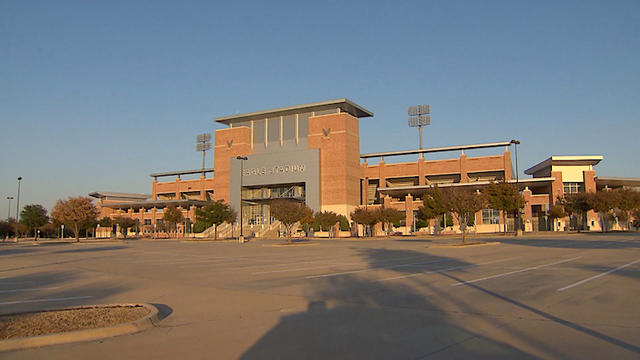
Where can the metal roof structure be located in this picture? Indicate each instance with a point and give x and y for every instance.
(420, 189)
(344, 104)
(617, 181)
(565, 160)
(157, 204)
(109, 194)
(182, 172)
(437, 149)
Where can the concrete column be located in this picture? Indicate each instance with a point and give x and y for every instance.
(528, 226)
(154, 191)
(408, 206)
(421, 178)
(203, 193)
(178, 187)
(463, 168)
(381, 172)
(365, 191)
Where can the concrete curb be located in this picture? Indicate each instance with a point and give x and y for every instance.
(290, 245)
(460, 246)
(135, 326)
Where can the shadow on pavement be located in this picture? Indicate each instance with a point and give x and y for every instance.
(357, 316)
(353, 317)
(91, 249)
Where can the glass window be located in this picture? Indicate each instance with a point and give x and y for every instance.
(572, 187)
(147, 221)
(490, 216)
(258, 132)
(274, 129)
(289, 127)
(326, 112)
(303, 125)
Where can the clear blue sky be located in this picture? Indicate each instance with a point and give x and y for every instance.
(97, 95)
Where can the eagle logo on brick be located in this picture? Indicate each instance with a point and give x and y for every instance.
(229, 143)
(326, 133)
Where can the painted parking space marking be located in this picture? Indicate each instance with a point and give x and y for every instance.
(598, 276)
(444, 270)
(514, 272)
(44, 300)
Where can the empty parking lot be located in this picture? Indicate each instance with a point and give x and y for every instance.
(561, 297)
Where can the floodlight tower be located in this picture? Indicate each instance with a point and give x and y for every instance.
(203, 143)
(419, 116)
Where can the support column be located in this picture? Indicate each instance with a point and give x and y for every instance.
(408, 206)
(463, 168)
(528, 226)
(178, 187)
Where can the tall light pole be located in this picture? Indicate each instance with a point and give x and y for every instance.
(18, 201)
(9, 209)
(517, 219)
(242, 159)
(419, 116)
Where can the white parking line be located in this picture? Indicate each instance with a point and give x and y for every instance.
(445, 270)
(376, 268)
(32, 289)
(44, 300)
(514, 272)
(597, 276)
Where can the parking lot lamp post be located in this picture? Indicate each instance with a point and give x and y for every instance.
(9, 209)
(517, 219)
(18, 201)
(242, 159)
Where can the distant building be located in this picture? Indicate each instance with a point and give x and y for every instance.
(311, 153)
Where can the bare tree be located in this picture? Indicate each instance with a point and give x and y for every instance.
(75, 212)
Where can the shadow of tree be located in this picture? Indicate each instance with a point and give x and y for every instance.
(91, 249)
(50, 289)
(352, 317)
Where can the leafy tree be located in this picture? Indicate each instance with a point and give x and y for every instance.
(327, 220)
(506, 197)
(556, 212)
(603, 202)
(33, 216)
(106, 222)
(214, 214)
(49, 230)
(366, 217)
(6, 229)
(288, 212)
(172, 217)
(432, 205)
(124, 223)
(577, 204)
(388, 216)
(308, 221)
(627, 200)
(344, 223)
(75, 212)
(463, 203)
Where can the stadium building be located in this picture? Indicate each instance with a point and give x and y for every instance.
(311, 153)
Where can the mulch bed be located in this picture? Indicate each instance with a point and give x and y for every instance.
(58, 321)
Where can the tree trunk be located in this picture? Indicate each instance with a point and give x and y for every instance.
(215, 232)
(77, 232)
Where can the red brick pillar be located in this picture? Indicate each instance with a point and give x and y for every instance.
(408, 206)
(463, 168)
